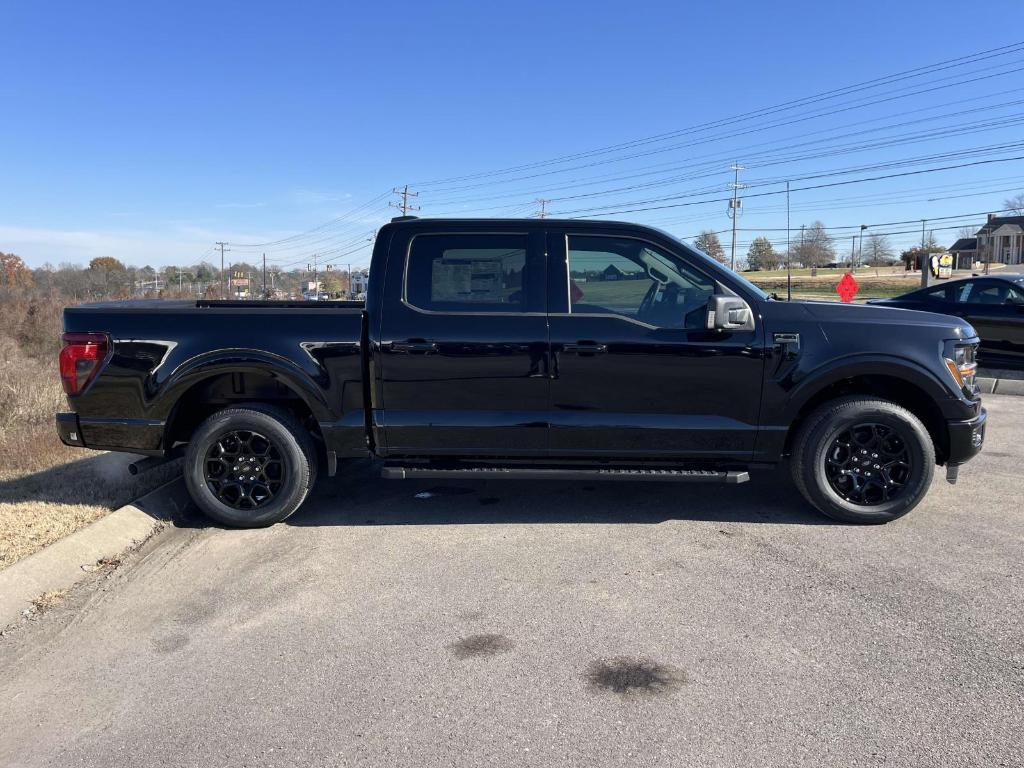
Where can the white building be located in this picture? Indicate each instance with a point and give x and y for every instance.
(1002, 240)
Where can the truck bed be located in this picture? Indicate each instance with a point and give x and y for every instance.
(170, 361)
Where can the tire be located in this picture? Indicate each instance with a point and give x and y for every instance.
(863, 460)
(273, 454)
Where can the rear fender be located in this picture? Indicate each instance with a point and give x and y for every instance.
(203, 367)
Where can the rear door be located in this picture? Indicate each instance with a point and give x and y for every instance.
(635, 372)
(464, 344)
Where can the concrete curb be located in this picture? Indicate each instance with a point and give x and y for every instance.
(64, 563)
(999, 382)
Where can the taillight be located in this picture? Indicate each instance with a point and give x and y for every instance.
(80, 359)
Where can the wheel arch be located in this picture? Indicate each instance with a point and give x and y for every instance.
(207, 386)
(905, 385)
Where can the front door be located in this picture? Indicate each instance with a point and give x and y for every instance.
(996, 310)
(463, 361)
(635, 371)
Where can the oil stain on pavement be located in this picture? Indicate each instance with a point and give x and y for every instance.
(476, 646)
(626, 676)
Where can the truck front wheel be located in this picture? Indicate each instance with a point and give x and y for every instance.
(250, 466)
(863, 460)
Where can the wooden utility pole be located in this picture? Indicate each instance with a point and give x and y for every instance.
(223, 247)
(734, 208)
(405, 206)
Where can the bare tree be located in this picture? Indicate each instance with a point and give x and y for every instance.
(815, 248)
(878, 250)
(1015, 204)
(967, 232)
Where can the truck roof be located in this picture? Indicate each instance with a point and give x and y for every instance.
(412, 220)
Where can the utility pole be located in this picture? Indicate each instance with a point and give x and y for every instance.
(264, 275)
(860, 255)
(789, 259)
(543, 203)
(405, 194)
(853, 249)
(224, 278)
(734, 207)
(179, 281)
(316, 283)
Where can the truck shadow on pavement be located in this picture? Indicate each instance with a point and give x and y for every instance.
(358, 496)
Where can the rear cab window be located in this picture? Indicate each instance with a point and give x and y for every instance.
(467, 273)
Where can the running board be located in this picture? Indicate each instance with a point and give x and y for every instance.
(515, 473)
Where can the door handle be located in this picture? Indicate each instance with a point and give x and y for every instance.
(585, 348)
(413, 346)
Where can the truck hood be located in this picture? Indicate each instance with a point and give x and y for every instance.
(828, 313)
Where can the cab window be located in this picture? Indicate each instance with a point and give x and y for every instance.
(468, 273)
(637, 280)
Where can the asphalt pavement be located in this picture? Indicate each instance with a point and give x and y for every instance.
(547, 624)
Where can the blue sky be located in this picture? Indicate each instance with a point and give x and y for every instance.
(146, 131)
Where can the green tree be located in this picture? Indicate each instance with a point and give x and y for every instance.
(708, 242)
(762, 255)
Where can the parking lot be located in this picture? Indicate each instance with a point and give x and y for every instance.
(504, 624)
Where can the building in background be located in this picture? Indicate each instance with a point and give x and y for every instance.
(1001, 239)
(964, 252)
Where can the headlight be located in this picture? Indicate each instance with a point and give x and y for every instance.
(962, 366)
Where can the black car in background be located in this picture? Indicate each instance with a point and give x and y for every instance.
(993, 304)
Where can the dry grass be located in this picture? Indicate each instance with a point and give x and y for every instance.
(48, 490)
(48, 600)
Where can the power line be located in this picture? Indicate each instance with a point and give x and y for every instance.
(405, 206)
(822, 96)
(601, 212)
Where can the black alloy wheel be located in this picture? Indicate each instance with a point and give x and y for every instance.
(862, 459)
(250, 465)
(244, 469)
(868, 464)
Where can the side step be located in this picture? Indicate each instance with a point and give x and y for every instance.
(399, 472)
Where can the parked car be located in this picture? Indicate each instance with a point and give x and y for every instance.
(502, 349)
(992, 304)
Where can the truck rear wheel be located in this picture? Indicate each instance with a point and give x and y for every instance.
(863, 460)
(250, 466)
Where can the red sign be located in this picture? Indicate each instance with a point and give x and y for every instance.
(847, 288)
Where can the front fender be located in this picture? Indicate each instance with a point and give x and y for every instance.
(802, 386)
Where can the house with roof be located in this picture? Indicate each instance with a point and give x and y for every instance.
(612, 272)
(1001, 239)
(964, 252)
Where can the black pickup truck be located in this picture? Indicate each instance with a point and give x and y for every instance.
(529, 349)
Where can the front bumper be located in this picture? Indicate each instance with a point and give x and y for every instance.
(966, 438)
(69, 431)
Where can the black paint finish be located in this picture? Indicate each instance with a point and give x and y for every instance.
(541, 383)
(993, 304)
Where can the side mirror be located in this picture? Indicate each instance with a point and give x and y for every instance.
(729, 313)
